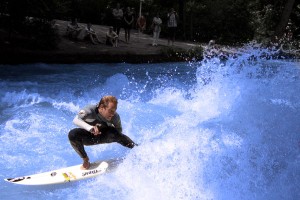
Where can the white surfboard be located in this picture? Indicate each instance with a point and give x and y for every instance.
(66, 175)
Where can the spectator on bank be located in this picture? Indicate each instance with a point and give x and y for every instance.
(156, 26)
(118, 18)
(172, 25)
(73, 29)
(112, 37)
(91, 34)
(141, 23)
(128, 21)
(133, 11)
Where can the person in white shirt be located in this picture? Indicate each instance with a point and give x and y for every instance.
(172, 25)
(118, 18)
(91, 34)
(112, 37)
(156, 25)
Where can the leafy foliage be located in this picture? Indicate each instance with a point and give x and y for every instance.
(30, 22)
(226, 21)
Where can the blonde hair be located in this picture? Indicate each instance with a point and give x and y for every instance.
(104, 101)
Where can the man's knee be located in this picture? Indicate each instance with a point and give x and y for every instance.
(73, 134)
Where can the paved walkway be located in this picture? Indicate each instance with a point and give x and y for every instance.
(139, 50)
(140, 45)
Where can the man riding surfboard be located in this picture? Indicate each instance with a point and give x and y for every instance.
(98, 124)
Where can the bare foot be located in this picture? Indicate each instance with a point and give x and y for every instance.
(86, 164)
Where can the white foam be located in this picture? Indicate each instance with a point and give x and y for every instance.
(218, 136)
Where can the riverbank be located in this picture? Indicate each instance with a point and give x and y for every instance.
(139, 50)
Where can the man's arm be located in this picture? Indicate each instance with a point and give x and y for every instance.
(115, 35)
(82, 124)
(79, 119)
(120, 13)
(131, 21)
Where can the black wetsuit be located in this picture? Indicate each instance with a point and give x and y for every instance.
(111, 131)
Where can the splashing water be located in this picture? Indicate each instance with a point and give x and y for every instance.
(218, 129)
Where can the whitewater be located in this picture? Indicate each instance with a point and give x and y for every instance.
(216, 129)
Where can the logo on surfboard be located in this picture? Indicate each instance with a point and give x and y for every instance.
(91, 172)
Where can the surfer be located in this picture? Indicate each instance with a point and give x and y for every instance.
(98, 124)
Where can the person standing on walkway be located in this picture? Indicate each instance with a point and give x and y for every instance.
(118, 18)
(141, 23)
(98, 124)
(156, 26)
(128, 21)
(172, 25)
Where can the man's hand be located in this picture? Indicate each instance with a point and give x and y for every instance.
(96, 129)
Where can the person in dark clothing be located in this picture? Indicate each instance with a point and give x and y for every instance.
(128, 21)
(98, 124)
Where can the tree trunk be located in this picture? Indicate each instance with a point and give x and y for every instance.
(284, 18)
(182, 17)
(192, 26)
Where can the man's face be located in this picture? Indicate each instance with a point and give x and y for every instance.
(109, 111)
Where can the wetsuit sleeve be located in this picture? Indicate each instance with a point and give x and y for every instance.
(78, 121)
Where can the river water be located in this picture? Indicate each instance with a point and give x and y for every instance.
(206, 130)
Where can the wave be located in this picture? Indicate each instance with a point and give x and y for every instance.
(216, 129)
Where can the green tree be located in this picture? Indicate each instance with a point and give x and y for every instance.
(30, 22)
(284, 18)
